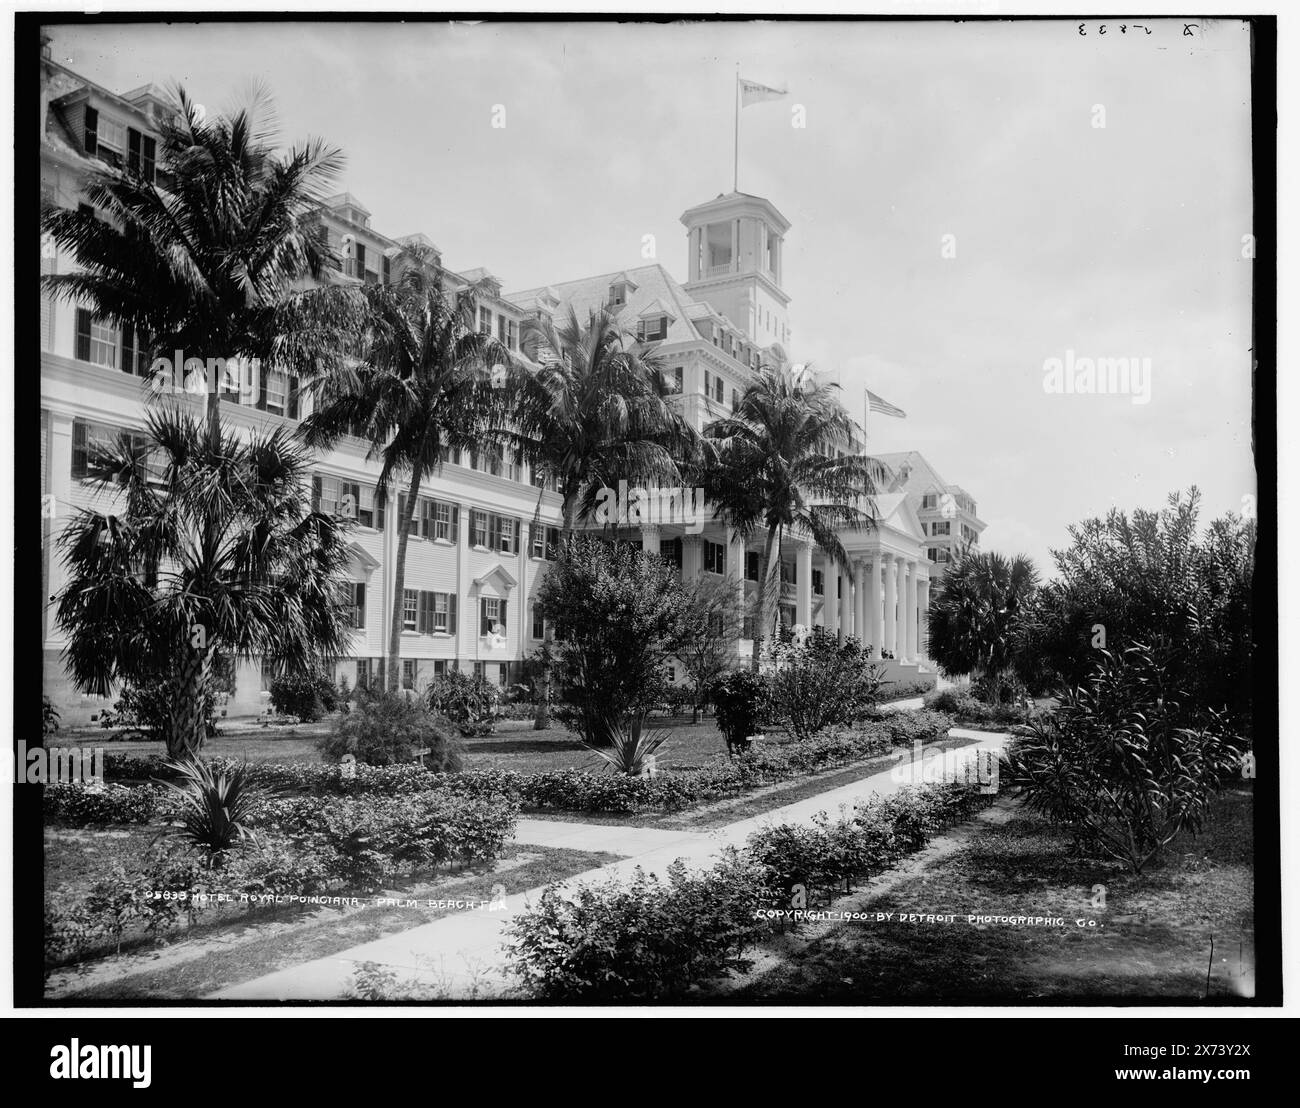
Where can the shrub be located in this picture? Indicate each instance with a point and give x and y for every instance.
(632, 747)
(148, 708)
(86, 805)
(822, 683)
(645, 940)
(387, 729)
(49, 717)
(307, 696)
(1115, 764)
(469, 702)
(740, 699)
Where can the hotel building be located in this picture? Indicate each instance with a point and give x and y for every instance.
(486, 528)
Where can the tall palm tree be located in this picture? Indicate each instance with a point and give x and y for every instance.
(209, 263)
(976, 612)
(215, 549)
(594, 408)
(775, 469)
(422, 384)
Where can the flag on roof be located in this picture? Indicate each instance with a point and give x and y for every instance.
(751, 92)
(884, 407)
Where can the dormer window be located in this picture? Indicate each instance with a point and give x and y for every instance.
(652, 330)
(618, 294)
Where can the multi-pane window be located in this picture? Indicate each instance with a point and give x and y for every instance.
(436, 613)
(480, 527)
(349, 499)
(410, 610)
(929, 500)
(408, 673)
(499, 533)
(445, 518)
(485, 320)
(88, 438)
(352, 595)
(363, 673)
(96, 341)
(112, 134)
(277, 392)
(441, 667)
(539, 624)
(492, 614)
(715, 557)
(941, 527)
(506, 331)
(717, 389)
(652, 330)
(670, 550)
(543, 542)
(141, 152)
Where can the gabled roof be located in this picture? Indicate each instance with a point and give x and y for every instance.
(655, 310)
(498, 577)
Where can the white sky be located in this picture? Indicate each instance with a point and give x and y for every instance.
(1117, 241)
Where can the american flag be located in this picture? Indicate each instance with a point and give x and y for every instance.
(884, 407)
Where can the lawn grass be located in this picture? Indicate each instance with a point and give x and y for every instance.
(1151, 941)
(241, 944)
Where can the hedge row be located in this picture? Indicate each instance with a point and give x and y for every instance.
(657, 940)
(304, 846)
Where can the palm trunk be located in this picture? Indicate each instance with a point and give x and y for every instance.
(542, 717)
(399, 582)
(771, 565)
(188, 723)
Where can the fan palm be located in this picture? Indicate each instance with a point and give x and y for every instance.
(775, 469)
(975, 614)
(213, 549)
(423, 385)
(211, 262)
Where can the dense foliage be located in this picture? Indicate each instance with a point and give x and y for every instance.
(387, 728)
(820, 683)
(469, 702)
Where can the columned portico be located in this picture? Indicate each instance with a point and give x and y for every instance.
(830, 604)
(909, 607)
(803, 585)
(923, 618)
(873, 605)
(890, 640)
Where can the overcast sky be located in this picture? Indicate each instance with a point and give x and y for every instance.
(1117, 241)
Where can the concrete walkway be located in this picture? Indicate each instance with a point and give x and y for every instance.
(463, 953)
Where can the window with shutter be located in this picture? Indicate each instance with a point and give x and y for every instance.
(83, 335)
(90, 132)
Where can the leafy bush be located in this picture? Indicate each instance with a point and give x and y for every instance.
(740, 699)
(148, 708)
(645, 940)
(1115, 764)
(616, 613)
(822, 683)
(74, 805)
(969, 709)
(307, 696)
(49, 717)
(469, 702)
(387, 729)
(903, 690)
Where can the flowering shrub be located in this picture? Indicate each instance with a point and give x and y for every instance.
(647, 940)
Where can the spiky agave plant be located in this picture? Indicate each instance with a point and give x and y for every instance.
(215, 806)
(631, 747)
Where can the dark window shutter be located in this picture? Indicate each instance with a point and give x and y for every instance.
(315, 493)
(133, 150)
(455, 524)
(147, 158)
(128, 350)
(388, 271)
(381, 503)
(78, 450)
(260, 379)
(293, 404)
(361, 604)
(83, 334)
(91, 130)
(483, 626)
(451, 613)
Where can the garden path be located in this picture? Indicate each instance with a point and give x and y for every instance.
(463, 954)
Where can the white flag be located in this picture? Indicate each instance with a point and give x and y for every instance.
(751, 92)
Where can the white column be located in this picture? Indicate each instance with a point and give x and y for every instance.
(890, 642)
(860, 601)
(803, 585)
(910, 609)
(692, 557)
(873, 605)
(846, 605)
(923, 618)
(736, 567)
(830, 605)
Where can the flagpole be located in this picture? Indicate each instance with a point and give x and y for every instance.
(735, 178)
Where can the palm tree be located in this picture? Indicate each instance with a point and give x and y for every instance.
(976, 612)
(215, 549)
(775, 469)
(209, 263)
(594, 409)
(423, 385)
